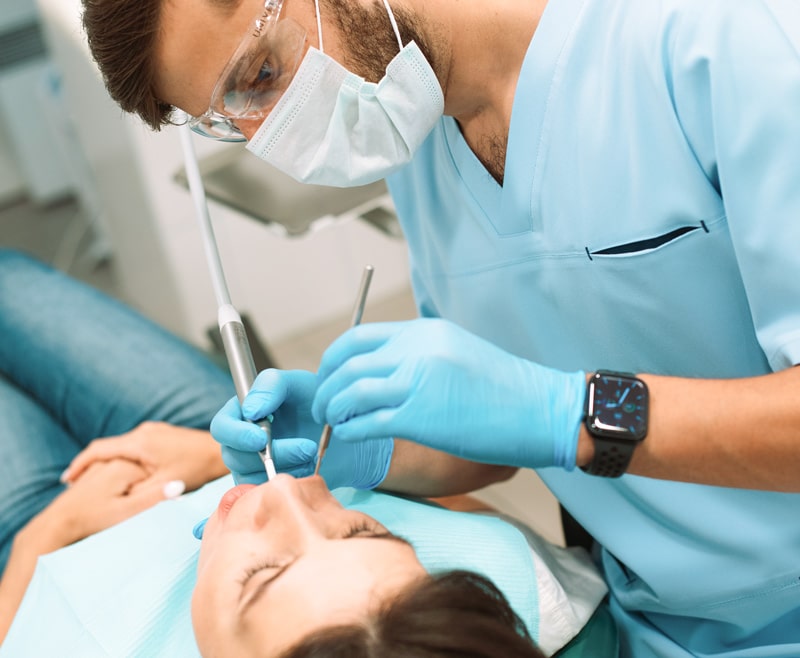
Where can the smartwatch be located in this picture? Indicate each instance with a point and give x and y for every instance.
(617, 405)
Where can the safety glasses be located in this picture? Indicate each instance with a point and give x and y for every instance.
(255, 77)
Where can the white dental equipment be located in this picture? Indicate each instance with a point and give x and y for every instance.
(358, 311)
(234, 338)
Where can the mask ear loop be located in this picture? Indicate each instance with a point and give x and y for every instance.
(394, 24)
(319, 26)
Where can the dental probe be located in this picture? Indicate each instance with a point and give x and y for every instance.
(234, 338)
(358, 311)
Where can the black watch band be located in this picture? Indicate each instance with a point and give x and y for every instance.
(611, 458)
(617, 405)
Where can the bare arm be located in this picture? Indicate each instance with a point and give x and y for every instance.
(109, 481)
(742, 433)
(31, 542)
(102, 497)
(423, 471)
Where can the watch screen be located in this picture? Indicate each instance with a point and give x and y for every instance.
(619, 406)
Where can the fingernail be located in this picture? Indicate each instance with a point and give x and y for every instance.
(197, 531)
(174, 488)
(64, 477)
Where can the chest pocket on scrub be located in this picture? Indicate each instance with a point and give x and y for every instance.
(647, 244)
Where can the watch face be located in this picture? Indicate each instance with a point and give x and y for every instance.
(618, 406)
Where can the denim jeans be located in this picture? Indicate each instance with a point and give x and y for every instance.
(76, 365)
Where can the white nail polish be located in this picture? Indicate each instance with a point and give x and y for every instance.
(174, 488)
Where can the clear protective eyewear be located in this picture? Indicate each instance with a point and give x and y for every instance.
(255, 77)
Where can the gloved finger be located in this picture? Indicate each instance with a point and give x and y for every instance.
(357, 340)
(238, 461)
(229, 429)
(258, 476)
(365, 396)
(373, 426)
(292, 453)
(300, 471)
(372, 365)
(197, 531)
(268, 393)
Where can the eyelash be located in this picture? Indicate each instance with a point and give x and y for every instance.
(254, 569)
(357, 527)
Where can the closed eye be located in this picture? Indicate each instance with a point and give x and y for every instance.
(361, 528)
(368, 528)
(253, 569)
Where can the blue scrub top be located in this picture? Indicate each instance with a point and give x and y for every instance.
(649, 221)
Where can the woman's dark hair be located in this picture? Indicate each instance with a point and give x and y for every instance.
(458, 613)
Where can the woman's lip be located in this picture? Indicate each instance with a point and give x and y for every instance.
(230, 497)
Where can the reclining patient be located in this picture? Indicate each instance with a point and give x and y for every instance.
(287, 568)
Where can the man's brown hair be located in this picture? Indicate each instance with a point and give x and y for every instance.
(122, 39)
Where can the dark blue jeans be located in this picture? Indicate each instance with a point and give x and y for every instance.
(76, 365)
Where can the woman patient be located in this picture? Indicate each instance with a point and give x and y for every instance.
(285, 565)
(286, 568)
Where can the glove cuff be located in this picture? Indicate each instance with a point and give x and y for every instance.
(372, 462)
(566, 417)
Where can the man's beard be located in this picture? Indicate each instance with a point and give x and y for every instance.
(368, 38)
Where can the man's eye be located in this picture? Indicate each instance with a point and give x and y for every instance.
(265, 74)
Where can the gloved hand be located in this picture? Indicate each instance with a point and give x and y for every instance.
(286, 395)
(434, 383)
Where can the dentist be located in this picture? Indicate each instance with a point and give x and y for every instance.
(601, 205)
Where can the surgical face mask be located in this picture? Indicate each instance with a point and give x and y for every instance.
(332, 127)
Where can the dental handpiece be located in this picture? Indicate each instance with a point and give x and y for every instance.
(234, 338)
(358, 311)
(243, 371)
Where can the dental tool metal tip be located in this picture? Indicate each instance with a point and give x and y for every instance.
(269, 464)
(358, 311)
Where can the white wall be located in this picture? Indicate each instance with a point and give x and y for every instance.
(17, 11)
(11, 183)
(285, 285)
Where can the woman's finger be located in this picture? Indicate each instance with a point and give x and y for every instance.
(102, 450)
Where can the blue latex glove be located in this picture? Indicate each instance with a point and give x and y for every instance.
(434, 383)
(286, 395)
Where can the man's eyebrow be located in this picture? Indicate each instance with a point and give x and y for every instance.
(262, 586)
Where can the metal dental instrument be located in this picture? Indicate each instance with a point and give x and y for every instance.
(234, 337)
(358, 311)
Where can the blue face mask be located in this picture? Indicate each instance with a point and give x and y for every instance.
(332, 127)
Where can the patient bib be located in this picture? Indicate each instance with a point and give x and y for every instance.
(445, 540)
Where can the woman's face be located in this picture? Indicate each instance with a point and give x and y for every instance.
(283, 559)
